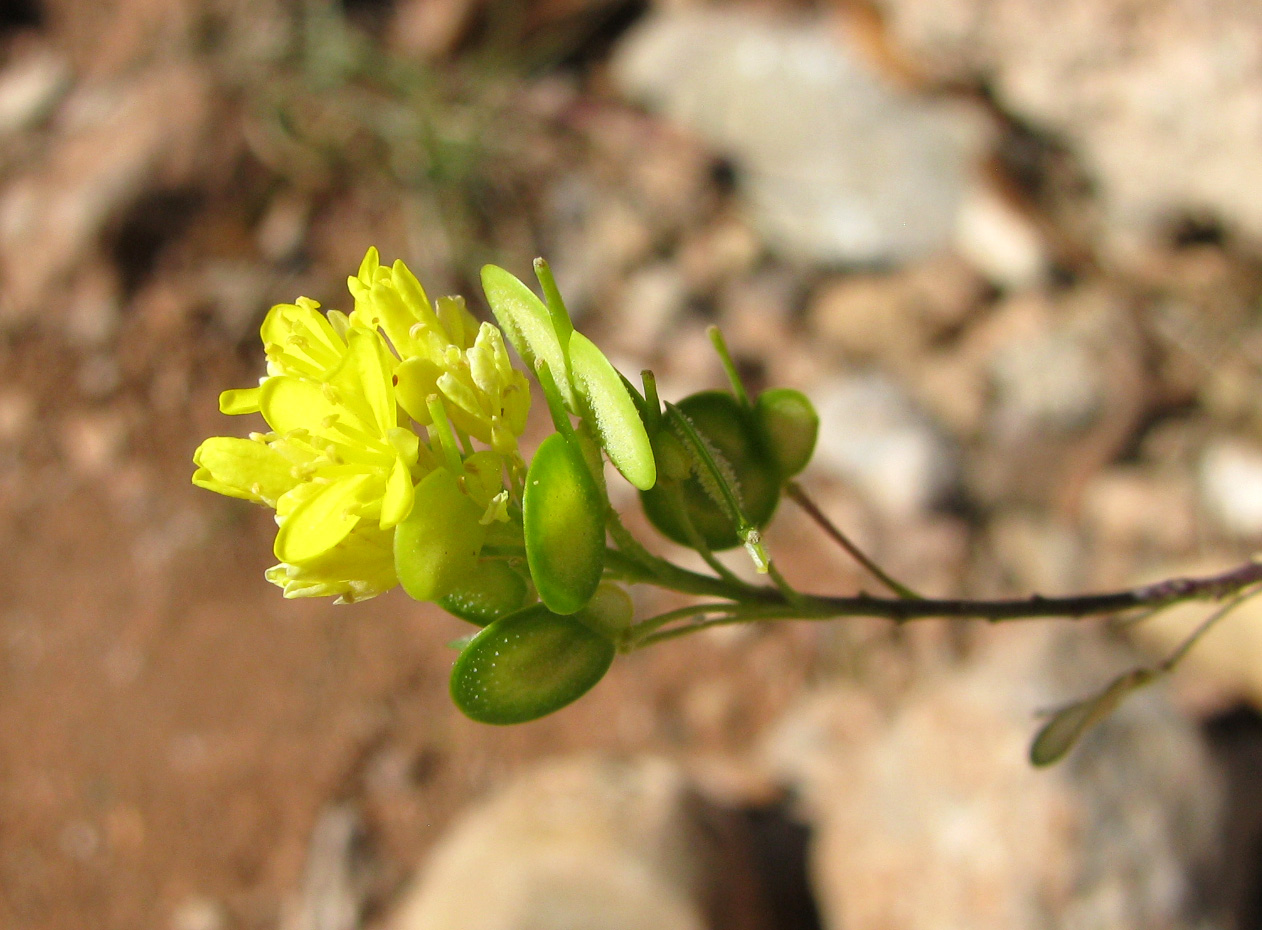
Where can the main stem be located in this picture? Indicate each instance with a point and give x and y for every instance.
(761, 603)
(1159, 594)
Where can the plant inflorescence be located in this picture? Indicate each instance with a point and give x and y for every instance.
(392, 458)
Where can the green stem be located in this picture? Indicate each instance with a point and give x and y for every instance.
(556, 306)
(796, 494)
(729, 366)
(768, 604)
(676, 497)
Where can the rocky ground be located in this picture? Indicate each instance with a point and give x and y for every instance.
(1014, 256)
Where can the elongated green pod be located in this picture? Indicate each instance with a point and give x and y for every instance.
(1069, 724)
(491, 591)
(528, 665)
(436, 547)
(789, 427)
(527, 324)
(563, 517)
(726, 426)
(613, 412)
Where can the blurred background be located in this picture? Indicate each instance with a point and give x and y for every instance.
(1012, 249)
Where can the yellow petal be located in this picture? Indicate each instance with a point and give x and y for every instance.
(242, 468)
(363, 381)
(245, 400)
(396, 504)
(294, 403)
(321, 522)
(418, 379)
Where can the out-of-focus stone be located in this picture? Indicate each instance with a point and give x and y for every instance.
(874, 437)
(725, 249)
(111, 145)
(199, 913)
(1161, 100)
(1048, 380)
(1037, 554)
(867, 317)
(1130, 506)
(600, 236)
(30, 86)
(892, 317)
(837, 165)
(651, 299)
(430, 29)
(928, 814)
(1000, 241)
(334, 880)
(1231, 486)
(585, 843)
(93, 443)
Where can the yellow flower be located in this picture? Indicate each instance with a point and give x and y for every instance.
(444, 351)
(337, 466)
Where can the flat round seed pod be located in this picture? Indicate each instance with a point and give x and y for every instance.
(491, 591)
(721, 421)
(563, 520)
(527, 665)
(436, 547)
(789, 427)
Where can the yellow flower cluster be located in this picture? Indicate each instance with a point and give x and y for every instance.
(341, 461)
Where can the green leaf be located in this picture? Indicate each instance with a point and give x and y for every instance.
(789, 426)
(527, 324)
(436, 548)
(563, 515)
(614, 413)
(491, 591)
(1067, 725)
(527, 665)
(721, 421)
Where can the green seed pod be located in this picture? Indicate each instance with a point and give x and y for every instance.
(613, 413)
(610, 610)
(789, 427)
(436, 548)
(563, 517)
(527, 665)
(527, 324)
(733, 435)
(492, 591)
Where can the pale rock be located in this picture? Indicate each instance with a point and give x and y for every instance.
(1037, 554)
(1047, 381)
(109, 146)
(926, 814)
(892, 317)
(1129, 506)
(1231, 486)
(650, 301)
(1000, 241)
(873, 437)
(199, 913)
(576, 844)
(17, 413)
(334, 878)
(30, 86)
(837, 165)
(1161, 100)
(93, 442)
(725, 249)
(867, 317)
